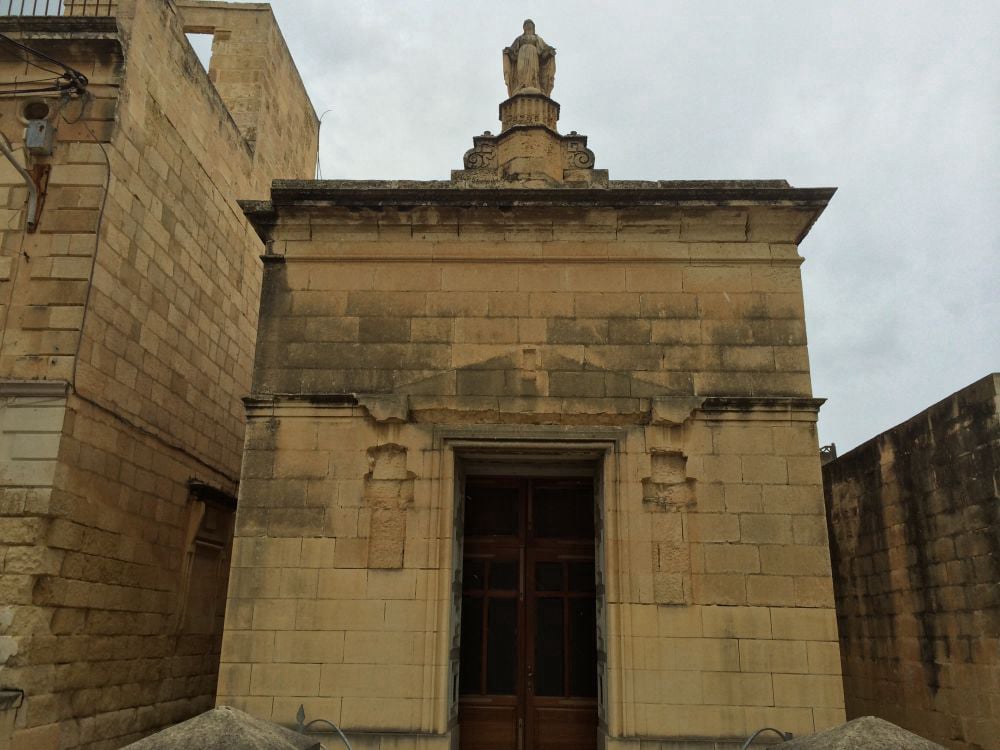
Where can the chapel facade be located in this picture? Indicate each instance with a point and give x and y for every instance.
(531, 456)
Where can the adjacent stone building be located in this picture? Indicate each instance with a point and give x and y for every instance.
(128, 303)
(915, 538)
(531, 456)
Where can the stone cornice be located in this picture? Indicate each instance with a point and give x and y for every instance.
(571, 412)
(315, 196)
(265, 400)
(749, 403)
(618, 193)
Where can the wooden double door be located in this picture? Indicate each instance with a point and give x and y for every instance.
(528, 670)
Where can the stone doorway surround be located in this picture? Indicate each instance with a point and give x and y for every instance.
(537, 451)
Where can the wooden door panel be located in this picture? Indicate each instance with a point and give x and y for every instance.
(565, 728)
(488, 727)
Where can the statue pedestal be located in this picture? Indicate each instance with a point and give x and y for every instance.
(528, 109)
(529, 151)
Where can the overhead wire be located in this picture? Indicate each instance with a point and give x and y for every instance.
(25, 58)
(49, 90)
(74, 79)
(31, 51)
(30, 80)
(28, 61)
(85, 99)
(97, 242)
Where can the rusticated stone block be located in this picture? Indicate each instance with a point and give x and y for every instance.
(668, 487)
(387, 538)
(388, 491)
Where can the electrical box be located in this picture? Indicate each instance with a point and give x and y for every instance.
(39, 137)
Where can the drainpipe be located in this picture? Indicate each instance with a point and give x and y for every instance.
(32, 188)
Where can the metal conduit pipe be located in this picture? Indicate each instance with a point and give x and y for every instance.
(302, 726)
(785, 736)
(32, 189)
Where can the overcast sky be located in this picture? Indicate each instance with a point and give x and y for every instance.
(897, 104)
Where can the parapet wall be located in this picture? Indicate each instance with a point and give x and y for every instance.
(914, 518)
(254, 73)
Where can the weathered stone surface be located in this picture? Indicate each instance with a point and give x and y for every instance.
(226, 728)
(386, 408)
(674, 411)
(388, 493)
(865, 733)
(913, 520)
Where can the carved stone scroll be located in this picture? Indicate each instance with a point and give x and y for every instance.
(483, 153)
(576, 155)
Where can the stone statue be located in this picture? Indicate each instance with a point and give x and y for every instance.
(529, 64)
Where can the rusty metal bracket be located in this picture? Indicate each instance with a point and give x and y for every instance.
(40, 176)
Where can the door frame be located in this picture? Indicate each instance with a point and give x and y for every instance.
(537, 450)
(527, 548)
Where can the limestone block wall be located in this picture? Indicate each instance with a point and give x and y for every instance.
(311, 619)
(178, 275)
(31, 423)
(599, 303)
(44, 279)
(914, 537)
(719, 616)
(140, 291)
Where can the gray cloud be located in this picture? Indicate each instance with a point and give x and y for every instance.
(896, 103)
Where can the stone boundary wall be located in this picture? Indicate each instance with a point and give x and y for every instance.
(914, 519)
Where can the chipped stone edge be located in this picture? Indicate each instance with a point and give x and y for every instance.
(385, 409)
